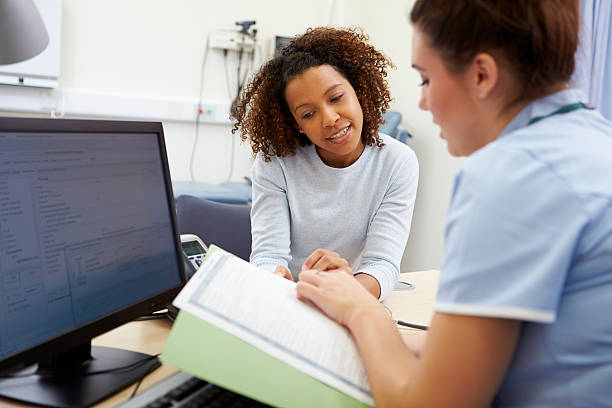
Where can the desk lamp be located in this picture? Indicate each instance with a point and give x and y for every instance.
(23, 34)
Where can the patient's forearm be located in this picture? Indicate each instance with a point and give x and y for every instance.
(370, 283)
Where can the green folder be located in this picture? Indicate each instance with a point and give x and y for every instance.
(207, 352)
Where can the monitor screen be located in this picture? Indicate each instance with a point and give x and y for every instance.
(279, 42)
(87, 234)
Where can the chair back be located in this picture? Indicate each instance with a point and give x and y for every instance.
(226, 225)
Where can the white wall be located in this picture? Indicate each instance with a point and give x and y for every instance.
(139, 50)
(155, 48)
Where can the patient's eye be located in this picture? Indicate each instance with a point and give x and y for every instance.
(424, 82)
(336, 98)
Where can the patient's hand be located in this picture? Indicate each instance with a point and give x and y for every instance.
(324, 260)
(284, 272)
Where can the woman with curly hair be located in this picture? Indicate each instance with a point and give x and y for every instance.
(323, 176)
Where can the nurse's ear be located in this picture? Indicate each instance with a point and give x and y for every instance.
(484, 75)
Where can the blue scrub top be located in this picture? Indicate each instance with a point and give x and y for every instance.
(529, 237)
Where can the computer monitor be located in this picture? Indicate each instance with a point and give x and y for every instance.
(88, 242)
(278, 43)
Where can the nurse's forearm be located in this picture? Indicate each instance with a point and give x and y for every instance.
(389, 363)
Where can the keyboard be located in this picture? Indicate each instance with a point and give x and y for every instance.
(186, 391)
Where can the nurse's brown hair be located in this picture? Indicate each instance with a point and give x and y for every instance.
(535, 39)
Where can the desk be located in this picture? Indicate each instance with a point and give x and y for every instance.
(415, 306)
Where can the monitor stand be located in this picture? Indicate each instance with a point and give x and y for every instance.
(73, 383)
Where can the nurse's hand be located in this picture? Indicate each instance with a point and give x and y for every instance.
(284, 272)
(336, 293)
(324, 260)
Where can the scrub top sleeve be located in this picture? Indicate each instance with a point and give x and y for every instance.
(510, 234)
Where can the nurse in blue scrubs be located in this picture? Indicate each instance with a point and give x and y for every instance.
(523, 312)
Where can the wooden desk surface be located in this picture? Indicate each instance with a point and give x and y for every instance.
(415, 305)
(149, 337)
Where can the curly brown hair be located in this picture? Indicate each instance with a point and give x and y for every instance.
(262, 114)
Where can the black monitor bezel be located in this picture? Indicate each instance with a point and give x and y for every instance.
(85, 332)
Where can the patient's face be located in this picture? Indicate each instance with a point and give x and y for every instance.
(326, 109)
(446, 95)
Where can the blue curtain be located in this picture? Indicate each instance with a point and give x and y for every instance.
(594, 56)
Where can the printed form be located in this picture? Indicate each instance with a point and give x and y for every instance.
(262, 309)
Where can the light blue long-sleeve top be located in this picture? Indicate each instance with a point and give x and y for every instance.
(363, 212)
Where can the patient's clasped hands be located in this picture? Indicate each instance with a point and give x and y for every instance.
(320, 260)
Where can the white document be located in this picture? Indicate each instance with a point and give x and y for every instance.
(262, 309)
